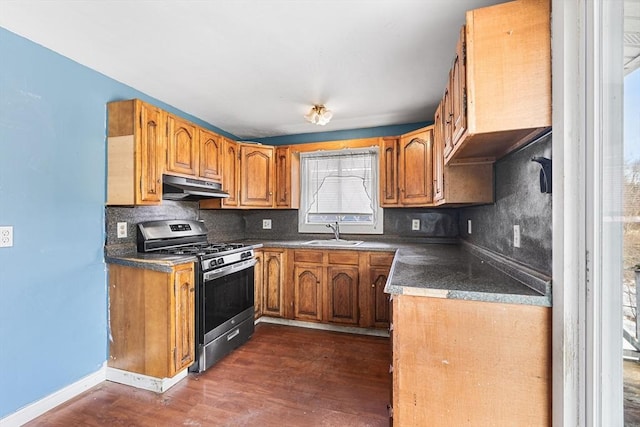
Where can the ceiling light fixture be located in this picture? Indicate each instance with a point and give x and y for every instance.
(319, 115)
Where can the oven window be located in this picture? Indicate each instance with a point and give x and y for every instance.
(227, 296)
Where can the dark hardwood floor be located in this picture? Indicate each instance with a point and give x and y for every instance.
(284, 376)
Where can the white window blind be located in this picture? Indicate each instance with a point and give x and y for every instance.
(340, 186)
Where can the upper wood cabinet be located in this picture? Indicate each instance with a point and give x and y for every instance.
(256, 175)
(406, 172)
(415, 173)
(231, 173)
(155, 339)
(135, 153)
(211, 146)
(389, 172)
(287, 180)
(182, 146)
(508, 80)
(459, 183)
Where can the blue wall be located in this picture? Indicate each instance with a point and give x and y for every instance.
(53, 292)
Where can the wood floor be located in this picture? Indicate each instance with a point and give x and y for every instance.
(284, 376)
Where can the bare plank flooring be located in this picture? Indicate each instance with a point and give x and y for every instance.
(284, 376)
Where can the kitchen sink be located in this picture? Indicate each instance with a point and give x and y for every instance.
(333, 242)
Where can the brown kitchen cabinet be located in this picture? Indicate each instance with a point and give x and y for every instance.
(459, 362)
(389, 172)
(459, 183)
(374, 302)
(230, 161)
(182, 147)
(211, 155)
(256, 175)
(308, 284)
(406, 169)
(135, 153)
(273, 282)
(152, 317)
(500, 80)
(287, 180)
(343, 281)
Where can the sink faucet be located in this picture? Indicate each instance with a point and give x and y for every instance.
(336, 229)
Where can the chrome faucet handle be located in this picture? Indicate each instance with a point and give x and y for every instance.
(336, 229)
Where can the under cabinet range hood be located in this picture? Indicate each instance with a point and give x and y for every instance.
(188, 189)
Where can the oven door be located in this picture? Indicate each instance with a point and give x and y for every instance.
(227, 298)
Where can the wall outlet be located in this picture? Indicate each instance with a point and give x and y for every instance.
(415, 224)
(468, 226)
(266, 224)
(6, 236)
(122, 230)
(516, 236)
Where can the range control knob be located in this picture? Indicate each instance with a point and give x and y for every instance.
(220, 261)
(245, 255)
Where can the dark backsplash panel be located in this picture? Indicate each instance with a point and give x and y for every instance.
(397, 223)
(231, 225)
(518, 201)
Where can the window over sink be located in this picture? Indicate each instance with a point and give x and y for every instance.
(340, 186)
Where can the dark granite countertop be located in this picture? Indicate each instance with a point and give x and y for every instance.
(448, 270)
(442, 268)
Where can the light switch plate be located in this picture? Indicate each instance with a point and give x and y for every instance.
(415, 224)
(468, 226)
(266, 224)
(122, 230)
(6, 236)
(516, 236)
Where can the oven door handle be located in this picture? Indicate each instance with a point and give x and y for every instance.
(233, 268)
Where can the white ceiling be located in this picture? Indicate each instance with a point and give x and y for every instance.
(254, 67)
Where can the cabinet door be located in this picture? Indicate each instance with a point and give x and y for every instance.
(256, 176)
(230, 173)
(150, 158)
(438, 155)
(342, 295)
(447, 119)
(184, 317)
(258, 283)
(210, 155)
(415, 171)
(273, 276)
(182, 147)
(458, 92)
(307, 292)
(389, 172)
(283, 177)
(380, 300)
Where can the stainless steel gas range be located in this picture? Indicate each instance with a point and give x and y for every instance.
(224, 284)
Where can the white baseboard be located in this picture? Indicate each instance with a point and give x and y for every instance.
(158, 385)
(324, 326)
(59, 397)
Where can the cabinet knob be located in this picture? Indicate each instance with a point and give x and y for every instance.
(373, 285)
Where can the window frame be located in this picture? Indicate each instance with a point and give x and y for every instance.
(345, 227)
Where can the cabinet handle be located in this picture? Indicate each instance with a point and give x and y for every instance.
(390, 326)
(391, 369)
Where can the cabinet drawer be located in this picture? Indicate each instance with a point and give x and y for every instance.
(308, 256)
(343, 257)
(383, 259)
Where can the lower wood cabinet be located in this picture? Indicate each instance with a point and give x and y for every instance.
(375, 268)
(458, 362)
(307, 292)
(273, 273)
(151, 317)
